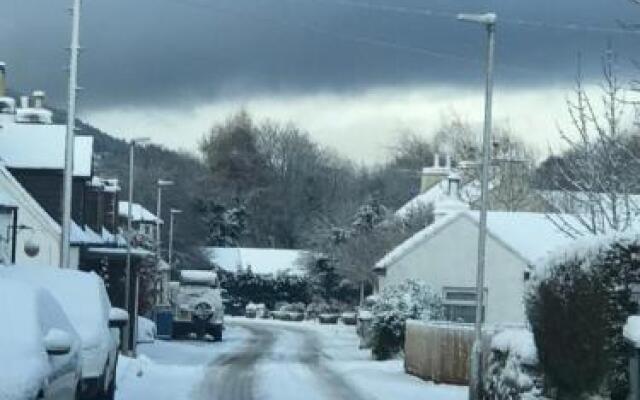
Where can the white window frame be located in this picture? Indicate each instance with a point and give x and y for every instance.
(463, 303)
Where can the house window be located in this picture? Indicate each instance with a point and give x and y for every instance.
(460, 304)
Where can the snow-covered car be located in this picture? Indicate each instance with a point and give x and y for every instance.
(84, 299)
(197, 305)
(39, 349)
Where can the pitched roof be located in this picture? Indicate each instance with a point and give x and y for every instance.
(42, 146)
(469, 193)
(261, 261)
(138, 212)
(531, 236)
(20, 197)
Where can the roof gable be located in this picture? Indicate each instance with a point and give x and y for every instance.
(529, 236)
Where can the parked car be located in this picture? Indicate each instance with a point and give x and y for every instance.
(39, 348)
(197, 305)
(84, 299)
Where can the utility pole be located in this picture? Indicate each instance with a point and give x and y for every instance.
(67, 180)
(130, 331)
(161, 184)
(475, 385)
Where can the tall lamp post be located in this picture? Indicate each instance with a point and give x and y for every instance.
(167, 274)
(130, 331)
(489, 21)
(160, 184)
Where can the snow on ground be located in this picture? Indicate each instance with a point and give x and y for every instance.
(171, 370)
(376, 380)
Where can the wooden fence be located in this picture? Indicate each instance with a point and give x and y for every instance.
(440, 351)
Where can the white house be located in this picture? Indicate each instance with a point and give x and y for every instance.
(37, 236)
(259, 261)
(444, 255)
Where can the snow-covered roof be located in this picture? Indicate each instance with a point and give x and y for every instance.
(136, 251)
(34, 115)
(198, 276)
(260, 261)
(84, 236)
(41, 146)
(469, 193)
(532, 236)
(138, 213)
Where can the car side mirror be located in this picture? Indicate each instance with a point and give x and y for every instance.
(118, 318)
(57, 342)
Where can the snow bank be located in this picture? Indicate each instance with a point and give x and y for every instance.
(143, 378)
(517, 342)
(146, 330)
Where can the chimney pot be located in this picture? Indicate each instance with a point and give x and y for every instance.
(24, 101)
(436, 160)
(38, 98)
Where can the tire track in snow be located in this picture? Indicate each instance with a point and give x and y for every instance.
(277, 363)
(232, 377)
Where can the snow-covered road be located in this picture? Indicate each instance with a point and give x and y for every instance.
(278, 362)
(272, 360)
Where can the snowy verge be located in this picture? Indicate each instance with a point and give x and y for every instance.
(143, 378)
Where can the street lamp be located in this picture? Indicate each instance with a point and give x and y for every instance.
(161, 183)
(132, 309)
(489, 21)
(173, 212)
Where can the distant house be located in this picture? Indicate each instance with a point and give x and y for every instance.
(266, 262)
(444, 255)
(143, 221)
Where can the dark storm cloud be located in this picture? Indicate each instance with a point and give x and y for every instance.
(173, 51)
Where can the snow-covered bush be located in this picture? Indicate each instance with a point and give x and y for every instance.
(412, 299)
(147, 330)
(577, 311)
(513, 363)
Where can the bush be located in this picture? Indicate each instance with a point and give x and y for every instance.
(513, 367)
(396, 303)
(577, 312)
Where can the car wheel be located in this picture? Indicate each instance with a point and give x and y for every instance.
(216, 332)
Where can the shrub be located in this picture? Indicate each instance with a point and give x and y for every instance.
(513, 373)
(396, 303)
(577, 312)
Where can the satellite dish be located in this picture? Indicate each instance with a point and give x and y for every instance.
(31, 248)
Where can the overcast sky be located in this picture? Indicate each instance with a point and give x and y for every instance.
(354, 73)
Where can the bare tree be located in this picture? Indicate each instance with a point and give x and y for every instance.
(595, 179)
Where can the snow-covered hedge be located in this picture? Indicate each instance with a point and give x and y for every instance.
(577, 309)
(513, 367)
(412, 299)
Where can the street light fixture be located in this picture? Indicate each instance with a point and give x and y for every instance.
(489, 21)
(131, 329)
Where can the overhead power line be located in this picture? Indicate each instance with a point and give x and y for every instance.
(425, 12)
(358, 39)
